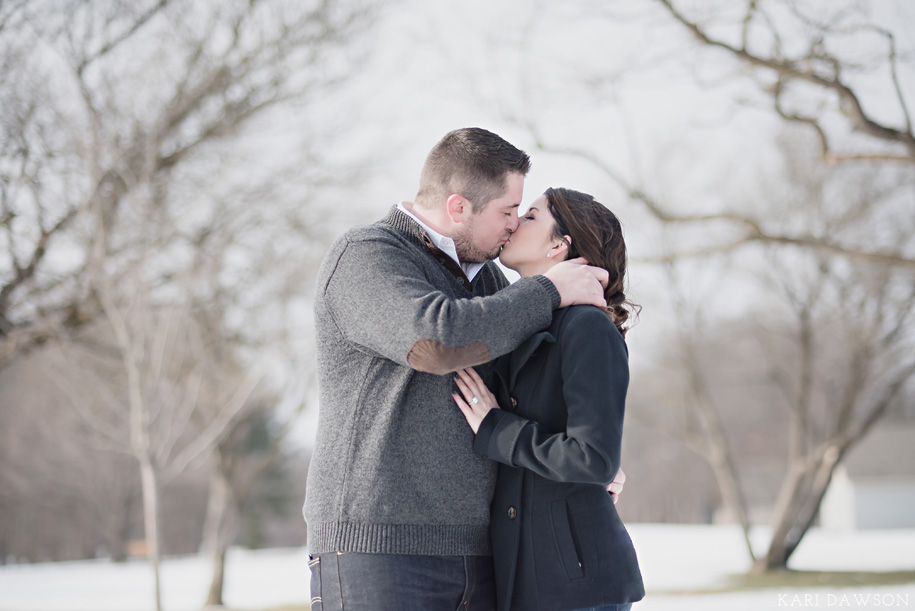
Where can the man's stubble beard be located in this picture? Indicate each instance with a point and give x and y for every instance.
(468, 252)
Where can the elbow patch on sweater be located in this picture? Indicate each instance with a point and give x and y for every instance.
(430, 356)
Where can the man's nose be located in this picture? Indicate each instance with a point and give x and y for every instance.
(513, 224)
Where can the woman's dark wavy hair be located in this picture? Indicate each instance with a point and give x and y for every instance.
(598, 237)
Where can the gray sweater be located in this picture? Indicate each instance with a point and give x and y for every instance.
(394, 470)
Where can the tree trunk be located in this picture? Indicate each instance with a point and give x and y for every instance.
(732, 495)
(797, 509)
(717, 452)
(151, 520)
(214, 596)
(117, 546)
(118, 528)
(220, 526)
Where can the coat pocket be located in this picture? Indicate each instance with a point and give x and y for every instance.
(568, 542)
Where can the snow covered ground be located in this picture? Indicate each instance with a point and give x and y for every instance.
(673, 557)
(678, 557)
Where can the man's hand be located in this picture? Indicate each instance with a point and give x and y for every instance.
(616, 486)
(579, 283)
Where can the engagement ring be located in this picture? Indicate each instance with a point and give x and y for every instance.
(474, 400)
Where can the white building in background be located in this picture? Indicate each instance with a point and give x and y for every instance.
(875, 485)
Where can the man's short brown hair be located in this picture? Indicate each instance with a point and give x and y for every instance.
(472, 162)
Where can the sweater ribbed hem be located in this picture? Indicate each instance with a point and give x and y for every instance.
(414, 539)
(546, 283)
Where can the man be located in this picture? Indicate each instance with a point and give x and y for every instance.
(397, 502)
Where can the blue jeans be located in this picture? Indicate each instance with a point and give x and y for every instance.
(625, 607)
(395, 582)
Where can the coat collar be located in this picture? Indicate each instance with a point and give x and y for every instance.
(510, 365)
(523, 353)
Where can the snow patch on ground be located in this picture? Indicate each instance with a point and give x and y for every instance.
(672, 557)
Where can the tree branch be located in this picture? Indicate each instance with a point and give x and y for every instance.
(851, 106)
(754, 231)
(216, 429)
(880, 406)
(25, 273)
(119, 39)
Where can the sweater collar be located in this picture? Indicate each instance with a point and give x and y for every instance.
(443, 243)
(408, 226)
(405, 225)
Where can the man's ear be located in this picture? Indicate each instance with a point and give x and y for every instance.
(458, 208)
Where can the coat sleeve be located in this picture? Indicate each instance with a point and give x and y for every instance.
(594, 377)
(381, 299)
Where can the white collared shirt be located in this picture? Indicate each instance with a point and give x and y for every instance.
(445, 244)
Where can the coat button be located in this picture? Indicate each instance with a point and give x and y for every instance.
(512, 513)
(514, 402)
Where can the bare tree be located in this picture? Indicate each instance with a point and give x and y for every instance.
(170, 405)
(253, 446)
(102, 102)
(851, 359)
(832, 341)
(135, 195)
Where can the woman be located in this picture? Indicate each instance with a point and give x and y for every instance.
(558, 543)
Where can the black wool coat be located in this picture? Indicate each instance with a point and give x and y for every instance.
(558, 542)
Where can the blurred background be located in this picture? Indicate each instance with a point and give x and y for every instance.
(171, 174)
